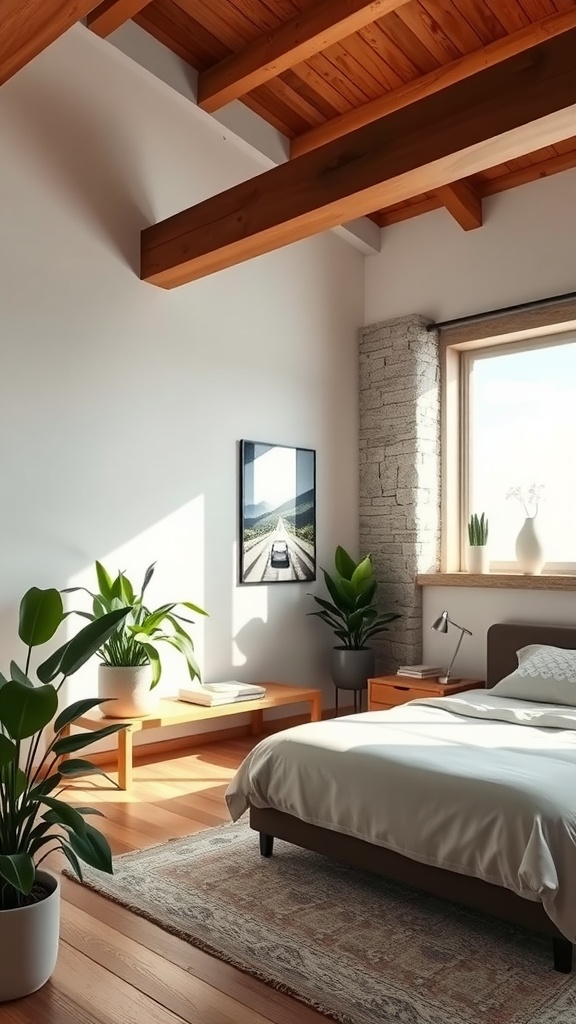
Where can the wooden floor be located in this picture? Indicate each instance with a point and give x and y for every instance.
(116, 968)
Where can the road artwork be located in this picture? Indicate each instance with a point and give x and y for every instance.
(277, 513)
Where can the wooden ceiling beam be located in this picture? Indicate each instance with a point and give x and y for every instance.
(522, 105)
(111, 14)
(29, 27)
(435, 81)
(307, 33)
(463, 202)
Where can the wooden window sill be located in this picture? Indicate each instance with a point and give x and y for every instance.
(510, 580)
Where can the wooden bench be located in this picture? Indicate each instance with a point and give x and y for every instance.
(178, 712)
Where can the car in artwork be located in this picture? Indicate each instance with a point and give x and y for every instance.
(279, 554)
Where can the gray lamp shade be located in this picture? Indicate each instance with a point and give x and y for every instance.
(441, 624)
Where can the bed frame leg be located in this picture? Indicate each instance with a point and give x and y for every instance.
(562, 949)
(267, 849)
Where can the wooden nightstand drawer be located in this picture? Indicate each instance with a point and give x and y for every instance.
(388, 693)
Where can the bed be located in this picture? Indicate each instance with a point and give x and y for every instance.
(548, 906)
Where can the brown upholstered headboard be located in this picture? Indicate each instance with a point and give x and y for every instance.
(505, 638)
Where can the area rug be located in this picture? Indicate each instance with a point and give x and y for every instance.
(357, 948)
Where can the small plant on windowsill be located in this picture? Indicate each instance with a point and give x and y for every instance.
(477, 540)
(478, 530)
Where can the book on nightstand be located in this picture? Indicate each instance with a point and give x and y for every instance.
(213, 694)
(420, 671)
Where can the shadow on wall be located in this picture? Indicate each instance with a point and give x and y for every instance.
(85, 156)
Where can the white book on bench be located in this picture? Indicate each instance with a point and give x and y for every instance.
(212, 694)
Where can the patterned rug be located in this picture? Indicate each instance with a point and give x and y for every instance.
(358, 949)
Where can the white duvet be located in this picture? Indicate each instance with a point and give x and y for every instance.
(480, 784)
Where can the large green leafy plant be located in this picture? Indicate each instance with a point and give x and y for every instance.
(136, 640)
(352, 613)
(33, 820)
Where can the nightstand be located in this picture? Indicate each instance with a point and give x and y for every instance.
(387, 691)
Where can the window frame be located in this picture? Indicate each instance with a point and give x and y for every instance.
(457, 359)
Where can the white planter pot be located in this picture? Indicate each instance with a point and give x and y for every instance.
(478, 561)
(128, 690)
(529, 550)
(29, 943)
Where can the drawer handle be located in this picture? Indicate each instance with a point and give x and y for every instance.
(403, 688)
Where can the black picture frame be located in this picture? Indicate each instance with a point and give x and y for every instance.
(277, 541)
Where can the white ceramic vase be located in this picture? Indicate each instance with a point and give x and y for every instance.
(478, 561)
(29, 943)
(529, 550)
(128, 690)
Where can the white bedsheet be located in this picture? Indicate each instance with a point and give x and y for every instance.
(480, 784)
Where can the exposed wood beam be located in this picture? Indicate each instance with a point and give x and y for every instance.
(109, 15)
(463, 202)
(304, 35)
(553, 165)
(523, 104)
(398, 214)
(490, 187)
(435, 81)
(28, 26)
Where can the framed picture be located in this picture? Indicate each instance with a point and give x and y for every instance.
(277, 513)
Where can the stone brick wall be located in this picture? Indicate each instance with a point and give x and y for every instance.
(400, 473)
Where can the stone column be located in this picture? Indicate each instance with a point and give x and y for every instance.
(400, 474)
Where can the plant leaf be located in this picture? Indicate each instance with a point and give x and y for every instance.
(70, 744)
(40, 615)
(20, 676)
(154, 659)
(152, 621)
(363, 574)
(78, 766)
(61, 813)
(193, 608)
(147, 577)
(71, 656)
(7, 751)
(74, 711)
(345, 565)
(93, 849)
(71, 858)
(104, 581)
(90, 810)
(26, 710)
(43, 788)
(18, 870)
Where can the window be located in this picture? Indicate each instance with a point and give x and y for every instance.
(517, 430)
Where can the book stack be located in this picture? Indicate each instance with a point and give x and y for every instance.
(420, 671)
(213, 694)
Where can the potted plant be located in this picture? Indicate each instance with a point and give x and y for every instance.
(34, 822)
(130, 666)
(477, 540)
(353, 616)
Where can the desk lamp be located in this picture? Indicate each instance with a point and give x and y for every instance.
(441, 626)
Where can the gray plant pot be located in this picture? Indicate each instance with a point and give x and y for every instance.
(352, 669)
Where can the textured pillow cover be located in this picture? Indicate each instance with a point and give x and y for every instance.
(546, 675)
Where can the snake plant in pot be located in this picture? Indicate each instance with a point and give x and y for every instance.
(34, 821)
(477, 544)
(130, 666)
(353, 616)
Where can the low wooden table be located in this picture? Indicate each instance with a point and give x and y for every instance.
(178, 712)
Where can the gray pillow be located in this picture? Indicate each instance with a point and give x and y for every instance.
(546, 675)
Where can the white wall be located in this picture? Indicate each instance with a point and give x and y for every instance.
(122, 404)
(525, 250)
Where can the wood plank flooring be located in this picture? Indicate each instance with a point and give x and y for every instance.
(116, 968)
